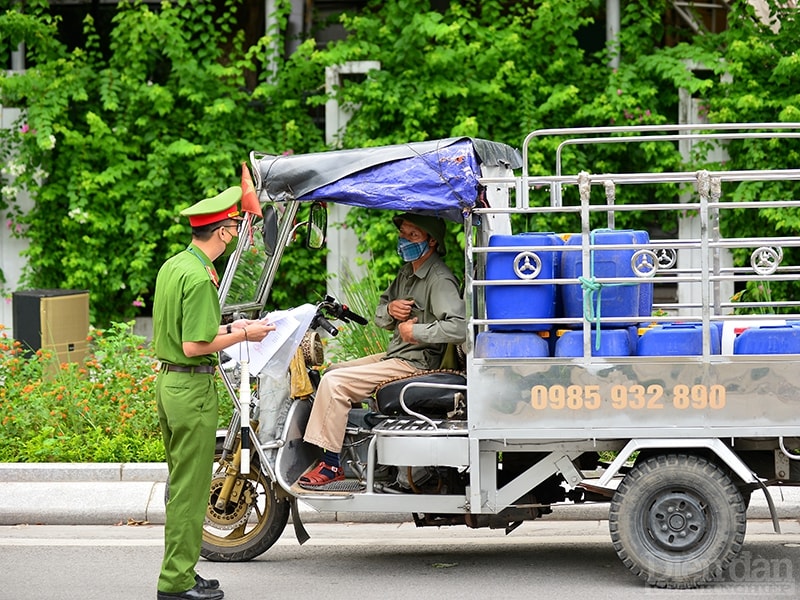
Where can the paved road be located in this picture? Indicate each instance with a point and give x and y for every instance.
(80, 554)
(544, 560)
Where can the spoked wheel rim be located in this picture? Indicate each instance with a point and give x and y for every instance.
(241, 520)
(249, 523)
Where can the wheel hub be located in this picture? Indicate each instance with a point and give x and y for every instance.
(677, 521)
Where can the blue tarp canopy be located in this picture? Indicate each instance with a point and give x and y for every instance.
(437, 177)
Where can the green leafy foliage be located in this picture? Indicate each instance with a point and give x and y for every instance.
(521, 87)
(114, 141)
(113, 148)
(102, 409)
(759, 75)
(483, 69)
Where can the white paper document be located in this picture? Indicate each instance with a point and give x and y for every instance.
(280, 345)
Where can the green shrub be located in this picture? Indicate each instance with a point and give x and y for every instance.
(100, 410)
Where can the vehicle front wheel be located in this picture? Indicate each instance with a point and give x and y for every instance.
(677, 521)
(249, 523)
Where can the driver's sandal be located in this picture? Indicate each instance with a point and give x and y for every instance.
(322, 474)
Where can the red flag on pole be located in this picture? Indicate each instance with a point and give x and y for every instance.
(249, 197)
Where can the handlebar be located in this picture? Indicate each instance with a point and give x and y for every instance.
(349, 314)
(334, 310)
(322, 322)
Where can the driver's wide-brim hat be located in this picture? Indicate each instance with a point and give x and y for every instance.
(221, 207)
(433, 226)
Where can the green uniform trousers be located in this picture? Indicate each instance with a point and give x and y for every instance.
(187, 411)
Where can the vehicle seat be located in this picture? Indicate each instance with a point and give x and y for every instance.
(440, 400)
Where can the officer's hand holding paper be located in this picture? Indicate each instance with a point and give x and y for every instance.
(277, 349)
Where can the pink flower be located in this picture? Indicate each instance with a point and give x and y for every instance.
(619, 92)
(139, 303)
(24, 129)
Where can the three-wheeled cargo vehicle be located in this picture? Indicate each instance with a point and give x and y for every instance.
(603, 363)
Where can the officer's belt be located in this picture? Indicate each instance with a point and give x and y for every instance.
(206, 369)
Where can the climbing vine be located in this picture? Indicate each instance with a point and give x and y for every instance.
(114, 138)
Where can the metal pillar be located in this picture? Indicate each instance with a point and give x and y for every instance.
(612, 31)
(341, 241)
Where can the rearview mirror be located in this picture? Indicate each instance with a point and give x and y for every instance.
(270, 232)
(317, 226)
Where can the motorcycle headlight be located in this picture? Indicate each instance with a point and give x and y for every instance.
(311, 346)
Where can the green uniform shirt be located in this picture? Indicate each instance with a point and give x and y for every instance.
(440, 312)
(185, 307)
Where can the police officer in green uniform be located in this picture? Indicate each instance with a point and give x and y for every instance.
(186, 336)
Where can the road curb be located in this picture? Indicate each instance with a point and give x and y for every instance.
(71, 472)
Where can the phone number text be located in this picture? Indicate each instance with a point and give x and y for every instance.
(628, 397)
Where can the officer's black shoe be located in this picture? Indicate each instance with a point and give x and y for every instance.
(206, 584)
(196, 593)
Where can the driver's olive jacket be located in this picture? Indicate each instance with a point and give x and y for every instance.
(439, 309)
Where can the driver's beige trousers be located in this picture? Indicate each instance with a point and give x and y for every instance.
(343, 385)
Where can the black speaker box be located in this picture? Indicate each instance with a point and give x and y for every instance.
(56, 320)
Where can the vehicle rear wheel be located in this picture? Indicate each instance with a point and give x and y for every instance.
(677, 521)
(250, 523)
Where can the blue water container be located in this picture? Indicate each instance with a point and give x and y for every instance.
(613, 300)
(768, 339)
(510, 344)
(645, 289)
(531, 301)
(633, 338)
(613, 342)
(677, 339)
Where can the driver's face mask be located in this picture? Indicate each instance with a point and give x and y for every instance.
(411, 251)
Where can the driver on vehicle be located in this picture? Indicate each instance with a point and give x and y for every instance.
(423, 307)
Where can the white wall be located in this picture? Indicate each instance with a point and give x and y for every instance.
(10, 247)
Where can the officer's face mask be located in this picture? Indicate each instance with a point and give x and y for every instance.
(231, 240)
(411, 251)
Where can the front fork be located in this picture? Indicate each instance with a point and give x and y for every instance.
(231, 437)
(232, 447)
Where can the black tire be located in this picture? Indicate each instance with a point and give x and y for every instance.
(245, 529)
(677, 521)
